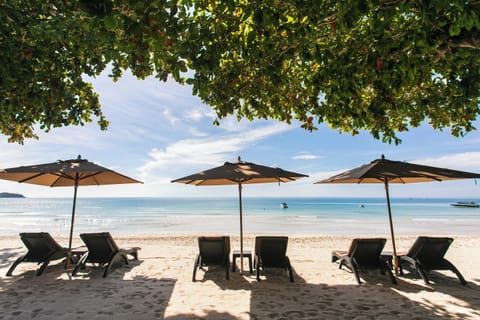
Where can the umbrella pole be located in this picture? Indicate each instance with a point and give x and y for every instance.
(69, 252)
(395, 258)
(241, 225)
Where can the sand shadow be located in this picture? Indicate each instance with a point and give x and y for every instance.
(448, 283)
(211, 315)
(113, 297)
(8, 255)
(375, 298)
(216, 275)
(96, 271)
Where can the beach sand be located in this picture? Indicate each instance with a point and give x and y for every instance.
(159, 286)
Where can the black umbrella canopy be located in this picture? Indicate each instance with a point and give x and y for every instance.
(387, 171)
(64, 173)
(239, 173)
(381, 170)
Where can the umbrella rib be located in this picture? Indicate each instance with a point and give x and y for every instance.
(59, 176)
(30, 178)
(92, 176)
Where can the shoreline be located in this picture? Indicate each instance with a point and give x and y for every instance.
(168, 216)
(190, 225)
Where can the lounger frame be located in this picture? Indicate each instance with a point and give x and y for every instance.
(42, 249)
(364, 254)
(270, 252)
(213, 251)
(103, 250)
(427, 254)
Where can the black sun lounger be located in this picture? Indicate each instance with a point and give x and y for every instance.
(103, 250)
(213, 251)
(364, 254)
(42, 249)
(427, 254)
(270, 252)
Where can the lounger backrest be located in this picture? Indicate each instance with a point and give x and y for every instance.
(40, 245)
(272, 250)
(214, 250)
(367, 252)
(101, 246)
(429, 249)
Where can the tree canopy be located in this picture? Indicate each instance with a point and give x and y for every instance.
(383, 66)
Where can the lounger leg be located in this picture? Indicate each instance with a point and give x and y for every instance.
(107, 268)
(392, 277)
(400, 267)
(455, 270)
(422, 273)
(43, 267)
(134, 254)
(80, 263)
(460, 277)
(289, 269)
(195, 266)
(290, 272)
(352, 266)
(118, 256)
(357, 276)
(256, 264)
(228, 269)
(75, 269)
(14, 265)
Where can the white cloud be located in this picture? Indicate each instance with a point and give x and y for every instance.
(305, 156)
(191, 153)
(467, 161)
(198, 114)
(197, 133)
(170, 117)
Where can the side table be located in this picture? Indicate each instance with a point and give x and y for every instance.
(246, 254)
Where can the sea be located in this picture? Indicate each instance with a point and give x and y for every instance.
(260, 216)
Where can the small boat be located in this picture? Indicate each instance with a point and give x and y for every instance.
(283, 205)
(467, 204)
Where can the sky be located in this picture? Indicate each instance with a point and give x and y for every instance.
(159, 132)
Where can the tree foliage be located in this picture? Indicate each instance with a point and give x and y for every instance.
(381, 66)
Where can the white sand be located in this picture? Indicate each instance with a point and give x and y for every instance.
(159, 286)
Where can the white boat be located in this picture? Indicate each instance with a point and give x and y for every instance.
(467, 204)
(283, 205)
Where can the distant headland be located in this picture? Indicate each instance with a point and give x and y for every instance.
(11, 195)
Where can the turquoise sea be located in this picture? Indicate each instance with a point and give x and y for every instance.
(304, 216)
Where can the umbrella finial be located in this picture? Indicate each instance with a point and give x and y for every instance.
(238, 159)
(79, 157)
(383, 157)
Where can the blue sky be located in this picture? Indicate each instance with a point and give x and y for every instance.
(159, 131)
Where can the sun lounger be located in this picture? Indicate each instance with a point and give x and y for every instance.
(427, 254)
(103, 250)
(270, 252)
(363, 254)
(213, 251)
(42, 249)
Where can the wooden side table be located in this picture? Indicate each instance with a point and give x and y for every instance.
(246, 254)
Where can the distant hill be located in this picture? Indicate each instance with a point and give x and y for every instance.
(11, 195)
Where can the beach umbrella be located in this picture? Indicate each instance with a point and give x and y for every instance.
(66, 173)
(387, 171)
(240, 173)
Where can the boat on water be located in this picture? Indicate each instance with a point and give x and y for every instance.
(467, 204)
(283, 205)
